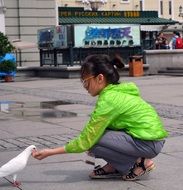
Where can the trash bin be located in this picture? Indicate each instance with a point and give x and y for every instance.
(136, 66)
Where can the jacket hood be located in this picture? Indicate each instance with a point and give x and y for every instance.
(127, 88)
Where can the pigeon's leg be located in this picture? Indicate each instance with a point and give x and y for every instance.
(16, 183)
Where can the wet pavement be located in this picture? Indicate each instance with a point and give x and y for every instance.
(50, 112)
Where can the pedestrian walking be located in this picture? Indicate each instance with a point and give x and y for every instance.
(176, 42)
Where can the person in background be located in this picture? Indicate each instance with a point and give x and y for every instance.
(123, 129)
(172, 43)
(161, 42)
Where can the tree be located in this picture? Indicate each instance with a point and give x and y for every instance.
(5, 45)
(7, 67)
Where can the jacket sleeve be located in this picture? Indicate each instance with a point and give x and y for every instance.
(100, 119)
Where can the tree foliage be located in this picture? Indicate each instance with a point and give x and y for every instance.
(5, 45)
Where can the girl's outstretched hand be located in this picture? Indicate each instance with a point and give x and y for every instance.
(41, 154)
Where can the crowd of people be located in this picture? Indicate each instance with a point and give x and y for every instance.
(176, 42)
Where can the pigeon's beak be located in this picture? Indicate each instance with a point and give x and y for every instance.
(34, 150)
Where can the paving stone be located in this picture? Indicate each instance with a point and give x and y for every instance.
(67, 171)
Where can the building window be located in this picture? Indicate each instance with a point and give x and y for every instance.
(141, 5)
(161, 7)
(170, 7)
(125, 1)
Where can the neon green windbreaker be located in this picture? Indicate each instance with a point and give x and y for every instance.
(119, 107)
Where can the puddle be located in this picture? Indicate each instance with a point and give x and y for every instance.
(4, 106)
(35, 110)
(52, 104)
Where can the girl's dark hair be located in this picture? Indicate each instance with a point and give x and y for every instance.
(102, 64)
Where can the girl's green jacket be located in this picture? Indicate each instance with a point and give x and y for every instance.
(119, 107)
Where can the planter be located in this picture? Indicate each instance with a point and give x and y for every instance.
(8, 78)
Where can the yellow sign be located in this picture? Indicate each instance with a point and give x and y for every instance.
(125, 14)
(131, 14)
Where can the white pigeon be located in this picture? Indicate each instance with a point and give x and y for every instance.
(17, 164)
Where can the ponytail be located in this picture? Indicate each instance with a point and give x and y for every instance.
(102, 64)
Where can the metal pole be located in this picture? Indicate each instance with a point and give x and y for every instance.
(71, 54)
(55, 57)
(41, 57)
(19, 30)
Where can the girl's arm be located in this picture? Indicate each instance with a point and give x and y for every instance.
(48, 152)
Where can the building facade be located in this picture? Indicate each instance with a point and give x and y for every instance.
(168, 9)
(2, 16)
(21, 19)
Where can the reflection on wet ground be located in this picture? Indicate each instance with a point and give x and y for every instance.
(35, 110)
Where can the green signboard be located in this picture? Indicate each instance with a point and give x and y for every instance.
(123, 14)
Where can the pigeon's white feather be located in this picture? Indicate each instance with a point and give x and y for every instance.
(16, 164)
